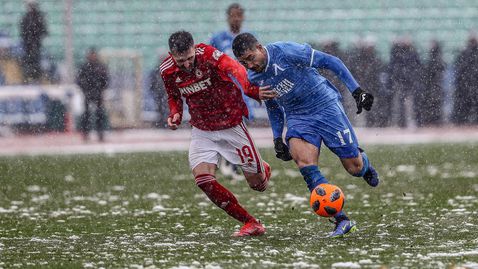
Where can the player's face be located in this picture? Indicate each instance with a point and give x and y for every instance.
(185, 60)
(235, 19)
(254, 59)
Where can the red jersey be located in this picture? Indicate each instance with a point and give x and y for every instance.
(211, 90)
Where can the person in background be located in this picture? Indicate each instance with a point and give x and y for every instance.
(430, 100)
(367, 67)
(465, 107)
(2, 78)
(93, 79)
(156, 86)
(223, 42)
(404, 74)
(33, 30)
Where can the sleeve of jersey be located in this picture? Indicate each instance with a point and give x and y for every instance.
(174, 97)
(276, 117)
(323, 60)
(236, 73)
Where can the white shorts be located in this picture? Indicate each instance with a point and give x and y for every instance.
(234, 144)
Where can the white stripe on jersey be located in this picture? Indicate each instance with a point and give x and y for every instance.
(162, 70)
(199, 50)
(165, 66)
(312, 58)
(268, 59)
(168, 61)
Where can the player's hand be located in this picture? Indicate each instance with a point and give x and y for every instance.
(363, 99)
(281, 149)
(174, 121)
(265, 93)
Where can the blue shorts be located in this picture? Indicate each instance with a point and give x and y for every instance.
(330, 125)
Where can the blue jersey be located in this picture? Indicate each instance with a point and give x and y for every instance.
(223, 42)
(291, 71)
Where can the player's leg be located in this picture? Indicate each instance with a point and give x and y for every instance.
(85, 120)
(305, 138)
(203, 159)
(230, 170)
(204, 174)
(340, 138)
(239, 149)
(304, 142)
(360, 166)
(306, 156)
(100, 118)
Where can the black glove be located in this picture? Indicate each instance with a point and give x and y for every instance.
(363, 99)
(281, 149)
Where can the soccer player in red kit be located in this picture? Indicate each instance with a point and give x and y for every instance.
(211, 84)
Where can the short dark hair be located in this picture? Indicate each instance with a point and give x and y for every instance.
(233, 6)
(180, 41)
(92, 49)
(243, 42)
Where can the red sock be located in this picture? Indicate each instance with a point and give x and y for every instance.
(222, 197)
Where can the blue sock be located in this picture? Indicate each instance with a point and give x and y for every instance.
(365, 166)
(312, 176)
(341, 216)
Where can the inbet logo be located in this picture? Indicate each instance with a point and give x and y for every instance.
(198, 86)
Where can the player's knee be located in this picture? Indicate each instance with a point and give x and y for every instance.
(354, 168)
(202, 181)
(261, 187)
(303, 163)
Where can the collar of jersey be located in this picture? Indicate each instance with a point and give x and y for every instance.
(268, 59)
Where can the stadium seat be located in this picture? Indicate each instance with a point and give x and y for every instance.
(141, 24)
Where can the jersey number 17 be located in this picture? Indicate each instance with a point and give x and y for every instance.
(345, 133)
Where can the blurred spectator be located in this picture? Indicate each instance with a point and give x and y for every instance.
(32, 31)
(50, 69)
(366, 67)
(93, 79)
(223, 40)
(2, 78)
(6, 43)
(159, 94)
(465, 108)
(430, 100)
(404, 80)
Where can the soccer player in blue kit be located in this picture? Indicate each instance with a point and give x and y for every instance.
(290, 84)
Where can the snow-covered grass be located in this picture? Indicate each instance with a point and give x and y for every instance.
(144, 211)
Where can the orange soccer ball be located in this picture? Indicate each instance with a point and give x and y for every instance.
(327, 200)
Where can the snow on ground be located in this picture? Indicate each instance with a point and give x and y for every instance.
(79, 206)
(148, 140)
